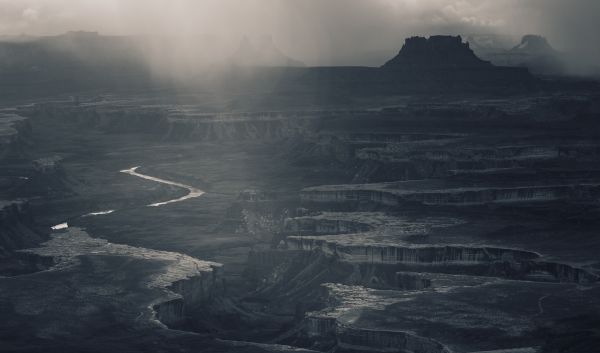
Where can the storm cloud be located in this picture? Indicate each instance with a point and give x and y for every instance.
(318, 32)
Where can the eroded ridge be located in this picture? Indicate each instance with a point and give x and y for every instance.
(183, 280)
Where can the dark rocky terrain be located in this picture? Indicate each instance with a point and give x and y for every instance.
(409, 208)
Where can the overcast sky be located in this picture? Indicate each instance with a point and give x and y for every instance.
(315, 31)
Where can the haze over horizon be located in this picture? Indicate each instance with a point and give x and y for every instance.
(333, 32)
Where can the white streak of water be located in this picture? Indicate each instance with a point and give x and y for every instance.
(193, 192)
(99, 213)
(60, 226)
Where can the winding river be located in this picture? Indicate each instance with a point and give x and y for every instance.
(192, 191)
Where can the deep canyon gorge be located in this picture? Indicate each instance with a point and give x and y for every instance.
(361, 218)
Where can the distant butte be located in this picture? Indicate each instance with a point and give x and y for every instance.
(534, 44)
(440, 52)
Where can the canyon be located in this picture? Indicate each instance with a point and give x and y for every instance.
(388, 222)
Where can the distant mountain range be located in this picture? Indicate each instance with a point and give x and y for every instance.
(87, 60)
(90, 49)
